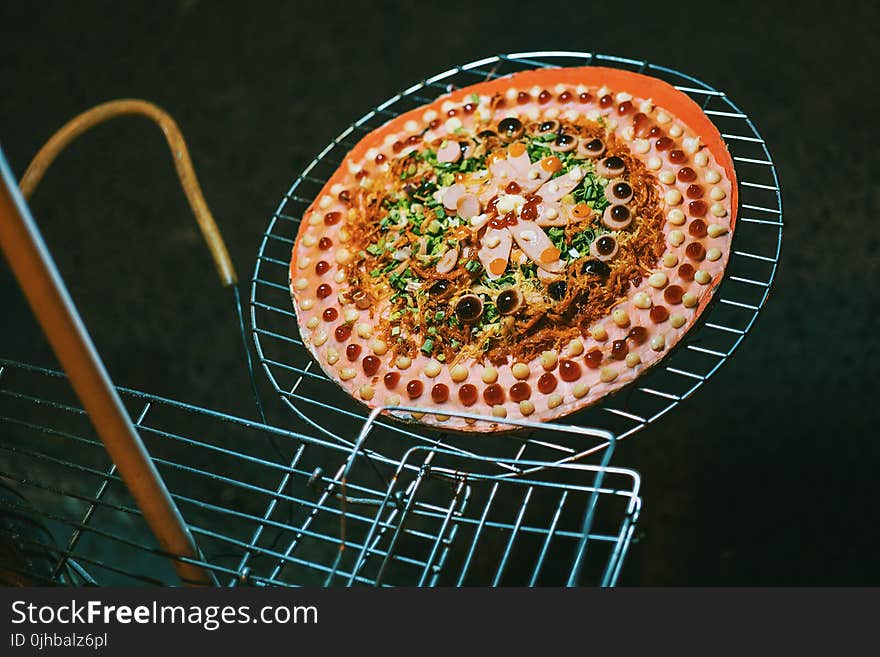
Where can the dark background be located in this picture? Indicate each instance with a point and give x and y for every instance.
(765, 476)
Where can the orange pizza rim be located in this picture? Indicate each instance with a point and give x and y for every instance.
(656, 251)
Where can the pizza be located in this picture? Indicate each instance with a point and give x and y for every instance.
(517, 249)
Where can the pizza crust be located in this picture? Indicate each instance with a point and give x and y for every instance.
(340, 334)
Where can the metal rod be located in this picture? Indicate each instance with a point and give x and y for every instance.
(35, 270)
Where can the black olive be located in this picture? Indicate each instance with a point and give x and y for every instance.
(439, 287)
(469, 308)
(486, 134)
(557, 289)
(621, 190)
(596, 268)
(613, 163)
(605, 244)
(509, 126)
(595, 146)
(619, 212)
(508, 301)
(548, 126)
(564, 140)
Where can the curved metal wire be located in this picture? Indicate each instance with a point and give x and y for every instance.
(738, 301)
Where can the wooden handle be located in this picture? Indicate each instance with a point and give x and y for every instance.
(179, 152)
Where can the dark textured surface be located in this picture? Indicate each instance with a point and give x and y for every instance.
(765, 476)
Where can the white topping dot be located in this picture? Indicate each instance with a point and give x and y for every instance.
(670, 260)
(716, 230)
(551, 112)
(364, 330)
(691, 145)
(713, 254)
(580, 89)
(628, 133)
(372, 153)
(403, 362)
(673, 197)
(675, 217)
(701, 159)
(499, 411)
(319, 338)
(551, 213)
(599, 333)
(354, 167)
(484, 113)
(712, 176)
(306, 304)
(718, 210)
(347, 373)
(689, 300)
(301, 283)
(575, 348)
(632, 359)
(666, 177)
(658, 280)
(410, 126)
(309, 239)
(453, 124)
(429, 116)
(623, 97)
(367, 391)
(702, 277)
(663, 117)
(675, 131)
(490, 375)
(332, 356)
(315, 219)
(350, 314)
(607, 374)
(379, 347)
(526, 407)
(642, 300)
(458, 373)
(312, 323)
(716, 194)
(339, 276)
(642, 146)
(603, 91)
(646, 106)
(511, 94)
(520, 371)
(303, 262)
(554, 400)
(535, 91)
(559, 88)
(447, 105)
(343, 256)
(677, 320)
(620, 317)
(325, 202)
(432, 368)
(676, 237)
(580, 390)
(658, 342)
(344, 235)
(392, 400)
(654, 163)
(548, 359)
(571, 114)
(593, 114)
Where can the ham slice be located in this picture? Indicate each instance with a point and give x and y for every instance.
(468, 206)
(535, 243)
(555, 189)
(452, 194)
(449, 152)
(495, 251)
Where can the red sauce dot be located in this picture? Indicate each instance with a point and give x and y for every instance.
(641, 124)
(324, 291)
(440, 393)
(433, 124)
(677, 156)
(593, 358)
(619, 350)
(414, 389)
(510, 219)
(391, 380)
(529, 212)
(686, 272)
(469, 108)
(547, 383)
(522, 98)
(397, 146)
(342, 333)
(520, 391)
(500, 103)
(361, 174)
(497, 222)
(625, 107)
(697, 228)
(544, 97)
(512, 187)
(655, 132)
(585, 97)
(695, 251)
(380, 158)
(569, 370)
(686, 174)
(606, 101)
(638, 334)
(325, 243)
(565, 97)
(452, 112)
(664, 143)
(493, 394)
(322, 267)
(330, 314)
(332, 218)
(467, 394)
(344, 196)
(673, 294)
(694, 191)
(697, 208)
(371, 365)
(353, 351)
(413, 139)
(659, 314)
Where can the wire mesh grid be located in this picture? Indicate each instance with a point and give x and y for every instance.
(750, 272)
(273, 507)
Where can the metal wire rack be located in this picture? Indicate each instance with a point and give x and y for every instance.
(269, 506)
(750, 272)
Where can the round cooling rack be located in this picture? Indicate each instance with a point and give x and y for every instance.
(721, 327)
